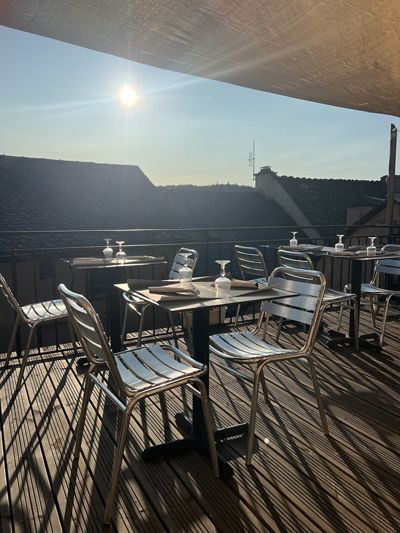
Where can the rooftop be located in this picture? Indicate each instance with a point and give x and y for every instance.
(45, 194)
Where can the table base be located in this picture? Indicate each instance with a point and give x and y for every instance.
(371, 342)
(333, 338)
(199, 445)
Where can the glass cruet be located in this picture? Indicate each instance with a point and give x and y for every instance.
(293, 240)
(339, 246)
(120, 256)
(222, 284)
(371, 249)
(185, 272)
(108, 252)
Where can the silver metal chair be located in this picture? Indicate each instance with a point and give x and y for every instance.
(302, 261)
(139, 306)
(137, 374)
(388, 268)
(252, 267)
(245, 348)
(33, 315)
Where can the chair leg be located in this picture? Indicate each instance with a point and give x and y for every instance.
(237, 316)
(264, 386)
(253, 412)
(172, 324)
(278, 330)
(124, 322)
(12, 338)
(117, 465)
(82, 417)
(25, 357)
(384, 319)
(209, 427)
(318, 396)
(356, 325)
(140, 329)
(340, 316)
(373, 316)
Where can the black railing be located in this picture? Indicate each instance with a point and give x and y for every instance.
(32, 260)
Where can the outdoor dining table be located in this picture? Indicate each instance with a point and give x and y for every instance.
(200, 306)
(113, 272)
(356, 258)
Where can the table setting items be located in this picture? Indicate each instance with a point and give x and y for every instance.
(174, 288)
(222, 284)
(108, 252)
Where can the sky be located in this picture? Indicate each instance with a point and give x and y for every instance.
(60, 101)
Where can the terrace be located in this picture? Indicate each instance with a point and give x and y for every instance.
(299, 481)
(341, 54)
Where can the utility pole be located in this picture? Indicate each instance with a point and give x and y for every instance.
(252, 159)
(390, 180)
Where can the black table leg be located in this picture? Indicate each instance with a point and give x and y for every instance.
(355, 289)
(114, 308)
(195, 433)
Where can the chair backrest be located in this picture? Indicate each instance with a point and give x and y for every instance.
(6, 290)
(389, 267)
(297, 260)
(90, 332)
(304, 306)
(391, 248)
(179, 262)
(251, 262)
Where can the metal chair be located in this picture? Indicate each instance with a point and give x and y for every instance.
(137, 374)
(32, 315)
(139, 306)
(302, 261)
(252, 267)
(245, 348)
(371, 290)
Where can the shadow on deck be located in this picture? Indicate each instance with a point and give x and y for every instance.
(299, 481)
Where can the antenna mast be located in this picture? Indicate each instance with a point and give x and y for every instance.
(252, 159)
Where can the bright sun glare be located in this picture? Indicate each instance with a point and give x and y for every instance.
(127, 96)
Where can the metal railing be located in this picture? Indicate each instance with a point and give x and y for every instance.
(32, 260)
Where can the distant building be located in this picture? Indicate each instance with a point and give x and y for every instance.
(315, 202)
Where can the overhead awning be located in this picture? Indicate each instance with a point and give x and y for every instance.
(339, 52)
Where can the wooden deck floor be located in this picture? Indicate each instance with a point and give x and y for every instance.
(300, 479)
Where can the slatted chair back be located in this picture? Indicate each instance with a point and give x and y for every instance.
(386, 267)
(251, 262)
(304, 307)
(179, 262)
(90, 333)
(297, 260)
(9, 295)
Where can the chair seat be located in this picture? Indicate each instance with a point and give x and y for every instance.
(245, 347)
(369, 288)
(42, 311)
(144, 368)
(333, 296)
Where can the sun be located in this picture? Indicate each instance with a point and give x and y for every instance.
(127, 96)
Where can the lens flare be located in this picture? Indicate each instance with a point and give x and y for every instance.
(127, 96)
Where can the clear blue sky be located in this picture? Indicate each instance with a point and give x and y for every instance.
(59, 101)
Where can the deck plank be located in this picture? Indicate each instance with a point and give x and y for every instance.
(300, 480)
(32, 500)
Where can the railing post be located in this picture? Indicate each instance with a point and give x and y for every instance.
(207, 254)
(14, 284)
